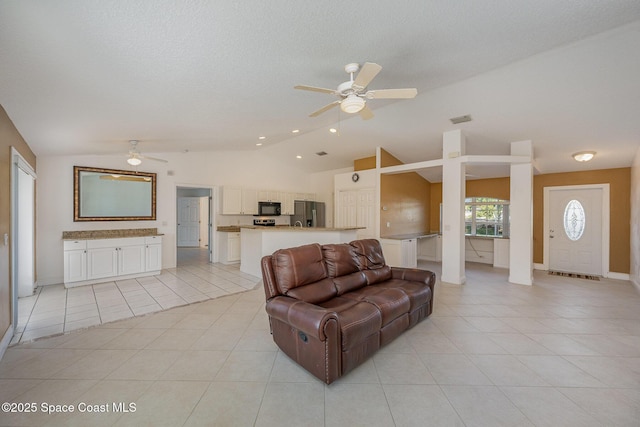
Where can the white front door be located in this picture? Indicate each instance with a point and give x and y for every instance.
(575, 230)
(188, 222)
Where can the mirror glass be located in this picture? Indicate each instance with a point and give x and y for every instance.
(113, 195)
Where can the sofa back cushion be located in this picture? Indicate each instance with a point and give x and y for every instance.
(294, 267)
(369, 252)
(340, 259)
(371, 260)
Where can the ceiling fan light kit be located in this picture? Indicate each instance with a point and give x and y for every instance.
(134, 161)
(352, 104)
(353, 92)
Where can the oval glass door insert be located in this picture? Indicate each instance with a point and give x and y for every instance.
(574, 220)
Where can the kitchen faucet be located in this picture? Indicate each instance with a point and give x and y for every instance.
(298, 222)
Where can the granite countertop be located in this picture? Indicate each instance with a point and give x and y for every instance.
(109, 234)
(228, 228)
(292, 228)
(410, 236)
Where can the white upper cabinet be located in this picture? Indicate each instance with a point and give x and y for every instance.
(239, 201)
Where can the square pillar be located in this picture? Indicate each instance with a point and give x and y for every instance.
(521, 212)
(453, 194)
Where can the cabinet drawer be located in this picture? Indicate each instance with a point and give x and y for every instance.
(153, 240)
(113, 243)
(72, 245)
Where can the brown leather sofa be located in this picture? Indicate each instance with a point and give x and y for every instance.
(333, 306)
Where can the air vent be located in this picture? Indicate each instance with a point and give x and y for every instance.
(321, 153)
(461, 119)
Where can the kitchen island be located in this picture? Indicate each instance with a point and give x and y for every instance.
(256, 241)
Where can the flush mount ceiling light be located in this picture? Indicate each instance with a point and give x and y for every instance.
(352, 104)
(583, 156)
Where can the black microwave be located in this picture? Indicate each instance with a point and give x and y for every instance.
(269, 208)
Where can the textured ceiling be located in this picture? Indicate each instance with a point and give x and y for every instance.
(84, 77)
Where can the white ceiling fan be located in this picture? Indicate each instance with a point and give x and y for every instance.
(353, 93)
(135, 157)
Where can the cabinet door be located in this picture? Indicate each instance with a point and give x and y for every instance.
(249, 201)
(409, 253)
(233, 247)
(131, 259)
(75, 266)
(288, 206)
(153, 258)
(231, 201)
(102, 262)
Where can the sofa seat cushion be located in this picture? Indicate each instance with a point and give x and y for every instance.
(418, 293)
(392, 303)
(358, 320)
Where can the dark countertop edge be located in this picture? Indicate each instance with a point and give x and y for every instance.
(287, 228)
(66, 239)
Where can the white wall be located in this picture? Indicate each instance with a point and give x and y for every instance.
(635, 220)
(54, 199)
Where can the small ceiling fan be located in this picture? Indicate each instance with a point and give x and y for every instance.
(353, 94)
(135, 157)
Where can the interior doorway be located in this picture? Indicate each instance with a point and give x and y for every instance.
(576, 226)
(194, 237)
(22, 230)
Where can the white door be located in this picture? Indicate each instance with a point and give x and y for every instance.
(575, 230)
(366, 214)
(188, 222)
(25, 243)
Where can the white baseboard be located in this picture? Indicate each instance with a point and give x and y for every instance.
(6, 340)
(537, 266)
(618, 276)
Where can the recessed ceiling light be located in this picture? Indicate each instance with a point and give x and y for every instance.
(262, 137)
(258, 144)
(333, 130)
(298, 156)
(295, 131)
(583, 156)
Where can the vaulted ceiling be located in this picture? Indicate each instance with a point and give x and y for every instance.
(84, 77)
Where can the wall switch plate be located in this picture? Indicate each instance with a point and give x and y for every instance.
(6, 239)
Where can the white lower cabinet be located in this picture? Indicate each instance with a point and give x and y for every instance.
(400, 252)
(91, 261)
(229, 247)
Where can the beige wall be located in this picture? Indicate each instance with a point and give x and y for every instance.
(9, 137)
(619, 181)
(620, 186)
(404, 198)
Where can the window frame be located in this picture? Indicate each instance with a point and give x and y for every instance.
(473, 203)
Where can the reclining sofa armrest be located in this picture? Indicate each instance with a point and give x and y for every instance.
(414, 275)
(306, 317)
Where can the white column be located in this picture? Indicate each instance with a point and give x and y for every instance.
(453, 193)
(521, 211)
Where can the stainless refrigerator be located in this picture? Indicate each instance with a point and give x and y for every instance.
(310, 214)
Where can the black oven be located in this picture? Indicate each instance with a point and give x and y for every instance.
(269, 208)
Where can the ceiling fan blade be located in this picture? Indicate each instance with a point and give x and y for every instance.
(367, 73)
(392, 93)
(366, 113)
(315, 89)
(155, 159)
(325, 108)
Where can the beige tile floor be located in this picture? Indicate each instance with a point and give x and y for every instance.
(54, 310)
(565, 352)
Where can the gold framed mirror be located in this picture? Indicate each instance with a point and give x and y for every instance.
(113, 195)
